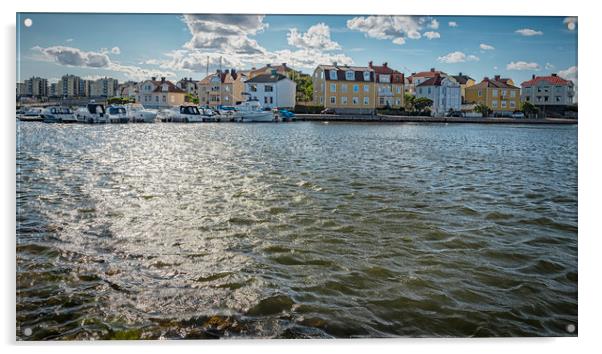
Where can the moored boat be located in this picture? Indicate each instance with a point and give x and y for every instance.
(92, 113)
(250, 111)
(57, 114)
(182, 114)
(31, 115)
(117, 114)
(138, 114)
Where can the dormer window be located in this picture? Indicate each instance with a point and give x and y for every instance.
(333, 74)
(366, 76)
(349, 75)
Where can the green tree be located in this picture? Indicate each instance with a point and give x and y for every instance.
(529, 109)
(305, 87)
(409, 100)
(422, 103)
(483, 109)
(191, 98)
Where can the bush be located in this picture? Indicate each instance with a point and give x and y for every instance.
(302, 109)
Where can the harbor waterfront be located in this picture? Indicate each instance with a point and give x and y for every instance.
(297, 230)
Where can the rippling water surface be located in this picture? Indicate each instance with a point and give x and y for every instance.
(295, 230)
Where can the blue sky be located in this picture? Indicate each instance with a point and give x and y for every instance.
(137, 46)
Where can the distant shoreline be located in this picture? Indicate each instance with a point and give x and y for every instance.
(418, 119)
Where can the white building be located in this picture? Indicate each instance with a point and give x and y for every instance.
(272, 90)
(443, 91)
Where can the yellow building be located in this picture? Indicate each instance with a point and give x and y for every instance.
(162, 93)
(222, 88)
(499, 94)
(345, 89)
(464, 81)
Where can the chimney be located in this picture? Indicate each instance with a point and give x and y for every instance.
(460, 74)
(486, 78)
(385, 64)
(154, 78)
(432, 70)
(284, 64)
(162, 79)
(269, 65)
(554, 75)
(370, 63)
(533, 77)
(413, 74)
(334, 63)
(497, 78)
(227, 71)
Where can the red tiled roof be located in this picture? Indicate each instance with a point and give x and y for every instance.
(553, 79)
(433, 81)
(170, 87)
(396, 76)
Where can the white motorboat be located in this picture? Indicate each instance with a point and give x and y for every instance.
(182, 114)
(93, 113)
(208, 115)
(58, 114)
(31, 115)
(117, 114)
(250, 111)
(138, 114)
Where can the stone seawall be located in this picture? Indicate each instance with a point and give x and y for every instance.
(413, 119)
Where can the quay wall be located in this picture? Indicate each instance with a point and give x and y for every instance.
(416, 119)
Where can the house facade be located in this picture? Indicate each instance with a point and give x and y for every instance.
(548, 93)
(499, 94)
(464, 81)
(445, 92)
(189, 85)
(267, 69)
(161, 93)
(389, 86)
(345, 89)
(416, 79)
(272, 90)
(221, 88)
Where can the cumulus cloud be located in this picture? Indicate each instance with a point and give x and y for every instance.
(457, 57)
(227, 33)
(316, 37)
(528, 32)
(432, 35)
(452, 24)
(75, 57)
(522, 65)
(395, 28)
(486, 46)
(549, 66)
(115, 50)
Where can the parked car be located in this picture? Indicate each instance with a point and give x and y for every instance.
(518, 114)
(327, 111)
(457, 114)
(502, 115)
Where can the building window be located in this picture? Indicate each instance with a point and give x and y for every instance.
(349, 75)
(344, 100)
(366, 76)
(366, 100)
(164, 98)
(494, 93)
(557, 98)
(420, 90)
(333, 100)
(398, 89)
(333, 74)
(429, 90)
(398, 102)
(480, 93)
(512, 93)
(355, 100)
(344, 88)
(321, 100)
(494, 104)
(381, 100)
(156, 98)
(504, 93)
(503, 104)
(322, 75)
(333, 88)
(356, 88)
(268, 88)
(366, 88)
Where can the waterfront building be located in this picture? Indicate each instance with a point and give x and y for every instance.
(53, 90)
(21, 89)
(70, 86)
(445, 93)
(464, 81)
(104, 87)
(417, 78)
(189, 85)
(127, 89)
(268, 69)
(272, 90)
(390, 86)
(162, 93)
(33, 87)
(221, 88)
(344, 88)
(548, 93)
(499, 94)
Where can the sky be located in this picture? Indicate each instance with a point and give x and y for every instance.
(138, 46)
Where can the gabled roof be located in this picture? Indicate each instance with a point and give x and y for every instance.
(499, 83)
(396, 76)
(462, 79)
(429, 74)
(342, 69)
(225, 77)
(552, 79)
(170, 87)
(266, 78)
(433, 81)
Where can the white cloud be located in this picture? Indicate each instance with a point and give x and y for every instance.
(528, 32)
(452, 24)
(522, 65)
(74, 57)
(434, 24)
(570, 22)
(69, 40)
(457, 57)
(549, 66)
(495, 67)
(227, 33)
(432, 35)
(570, 74)
(316, 37)
(395, 28)
(115, 50)
(486, 46)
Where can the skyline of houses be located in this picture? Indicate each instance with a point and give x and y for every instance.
(342, 88)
